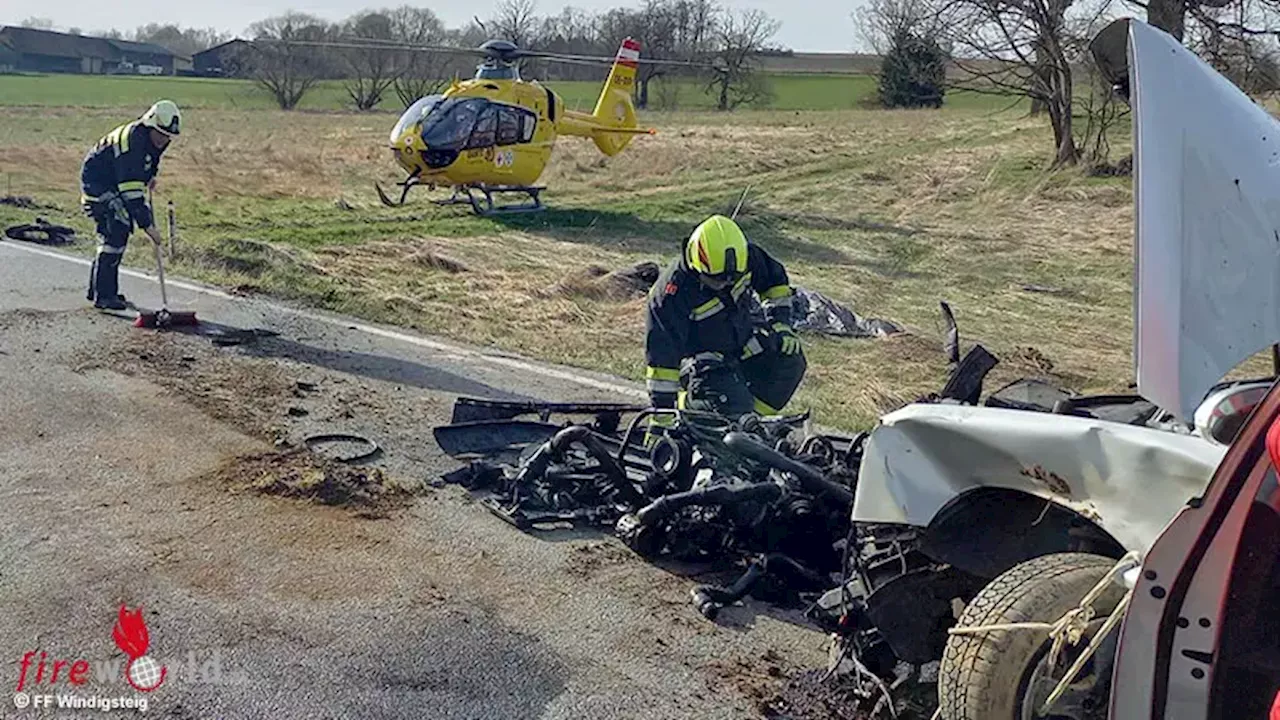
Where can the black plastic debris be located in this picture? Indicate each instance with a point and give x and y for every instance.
(811, 311)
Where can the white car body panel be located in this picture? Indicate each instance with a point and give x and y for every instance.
(1207, 175)
(1129, 479)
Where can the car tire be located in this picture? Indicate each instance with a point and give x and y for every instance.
(988, 676)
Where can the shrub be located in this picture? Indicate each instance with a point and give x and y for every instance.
(913, 73)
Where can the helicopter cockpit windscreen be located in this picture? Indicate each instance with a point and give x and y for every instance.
(451, 123)
(416, 112)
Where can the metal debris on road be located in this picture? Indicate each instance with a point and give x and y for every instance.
(371, 448)
(767, 492)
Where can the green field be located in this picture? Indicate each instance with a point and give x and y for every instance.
(888, 211)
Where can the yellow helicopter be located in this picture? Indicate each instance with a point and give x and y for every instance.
(493, 134)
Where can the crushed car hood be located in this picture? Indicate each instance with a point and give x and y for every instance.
(1129, 479)
(1207, 194)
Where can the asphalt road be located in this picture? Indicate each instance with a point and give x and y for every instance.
(294, 610)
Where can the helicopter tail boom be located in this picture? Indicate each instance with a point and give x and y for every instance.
(613, 121)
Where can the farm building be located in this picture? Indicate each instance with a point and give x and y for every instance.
(48, 51)
(8, 58)
(220, 60)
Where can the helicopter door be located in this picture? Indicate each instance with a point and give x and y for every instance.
(507, 134)
(508, 126)
(486, 126)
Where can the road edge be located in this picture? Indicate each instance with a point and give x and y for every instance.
(585, 378)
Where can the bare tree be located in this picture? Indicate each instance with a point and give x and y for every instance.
(1099, 110)
(186, 42)
(695, 24)
(421, 72)
(1015, 48)
(653, 26)
(575, 32)
(679, 30)
(880, 21)
(1171, 15)
(37, 23)
(735, 78)
(1238, 41)
(371, 71)
(907, 36)
(279, 64)
(516, 21)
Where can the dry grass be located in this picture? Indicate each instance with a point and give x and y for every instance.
(889, 212)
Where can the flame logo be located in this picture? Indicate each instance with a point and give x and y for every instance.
(130, 633)
(131, 636)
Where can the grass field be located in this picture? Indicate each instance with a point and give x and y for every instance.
(889, 212)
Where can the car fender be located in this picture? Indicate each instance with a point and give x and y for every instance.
(1129, 480)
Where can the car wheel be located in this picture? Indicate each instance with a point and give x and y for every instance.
(1006, 674)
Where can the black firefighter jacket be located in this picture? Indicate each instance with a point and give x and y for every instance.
(687, 319)
(122, 164)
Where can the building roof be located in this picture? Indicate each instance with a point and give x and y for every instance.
(140, 47)
(47, 42)
(217, 48)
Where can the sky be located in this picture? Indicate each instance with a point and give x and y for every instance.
(807, 25)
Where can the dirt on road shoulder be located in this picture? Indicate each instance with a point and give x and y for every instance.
(245, 392)
(300, 473)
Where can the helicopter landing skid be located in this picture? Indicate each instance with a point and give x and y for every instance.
(405, 186)
(484, 205)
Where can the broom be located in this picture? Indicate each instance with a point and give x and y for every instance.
(164, 317)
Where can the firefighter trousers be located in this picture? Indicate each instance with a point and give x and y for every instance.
(762, 383)
(113, 226)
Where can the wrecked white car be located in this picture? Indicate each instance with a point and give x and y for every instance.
(989, 517)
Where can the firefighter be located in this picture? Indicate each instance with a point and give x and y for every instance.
(701, 339)
(114, 180)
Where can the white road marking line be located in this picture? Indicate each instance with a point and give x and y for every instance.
(522, 365)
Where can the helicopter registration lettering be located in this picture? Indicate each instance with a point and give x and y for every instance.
(506, 158)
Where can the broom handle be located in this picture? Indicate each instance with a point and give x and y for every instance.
(164, 296)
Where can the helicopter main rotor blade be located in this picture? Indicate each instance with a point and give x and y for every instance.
(519, 53)
(369, 44)
(357, 43)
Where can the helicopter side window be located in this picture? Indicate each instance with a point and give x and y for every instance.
(450, 126)
(508, 126)
(486, 125)
(528, 123)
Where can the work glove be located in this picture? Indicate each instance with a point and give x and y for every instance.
(789, 344)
